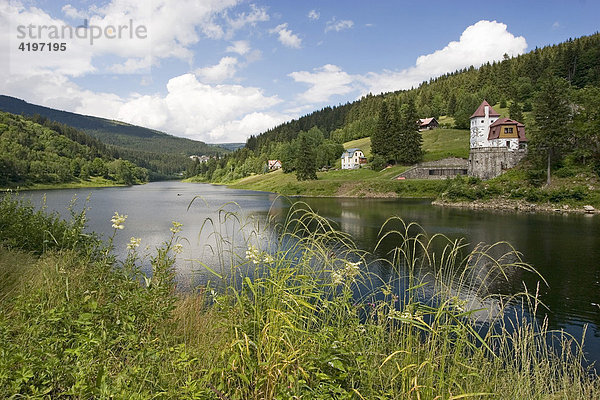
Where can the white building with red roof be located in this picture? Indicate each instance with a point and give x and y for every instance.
(497, 144)
(489, 130)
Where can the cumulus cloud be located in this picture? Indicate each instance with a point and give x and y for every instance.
(241, 47)
(225, 69)
(335, 25)
(324, 82)
(165, 30)
(190, 108)
(313, 15)
(286, 37)
(479, 43)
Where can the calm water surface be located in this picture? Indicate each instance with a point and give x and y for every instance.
(564, 248)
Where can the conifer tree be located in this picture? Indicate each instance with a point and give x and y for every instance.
(552, 114)
(515, 112)
(411, 140)
(306, 164)
(380, 145)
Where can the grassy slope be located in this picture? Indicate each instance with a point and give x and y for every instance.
(94, 181)
(438, 143)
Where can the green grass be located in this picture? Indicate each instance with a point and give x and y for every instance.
(442, 143)
(94, 181)
(362, 182)
(364, 144)
(293, 321)
(437, 144)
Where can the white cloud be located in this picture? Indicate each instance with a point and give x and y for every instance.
(167, 29)
(479, 43)
(241, 47)
(257, 14)
(313, 15)
(286, 37)
(225, 69)
(334, 25)
(72, 12)
(324, 82)
(556, 25)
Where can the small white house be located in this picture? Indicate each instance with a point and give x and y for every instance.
(274, 165)
(353, 158)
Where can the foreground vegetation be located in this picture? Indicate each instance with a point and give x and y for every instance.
(294, 316)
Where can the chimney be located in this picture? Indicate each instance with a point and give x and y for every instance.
(487, 111)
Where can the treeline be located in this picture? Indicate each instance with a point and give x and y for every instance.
(159, 165)
(32, 153)
(512, 82)
(305, 154)
(163, 155)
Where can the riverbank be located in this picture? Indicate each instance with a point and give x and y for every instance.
(93, 182)
(359, 183)
(516, 205)
(514, 190)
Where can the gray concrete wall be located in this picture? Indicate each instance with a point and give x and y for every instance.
(446, 168)
(488, 163)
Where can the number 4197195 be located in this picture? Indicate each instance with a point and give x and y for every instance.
(42, 46)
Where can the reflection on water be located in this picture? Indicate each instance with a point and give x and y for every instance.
(564, 248)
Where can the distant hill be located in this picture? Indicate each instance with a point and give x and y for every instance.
(115, 133)
(230, 146)
(53, 153)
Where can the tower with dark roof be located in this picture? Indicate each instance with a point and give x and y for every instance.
(481, 120)
(497, 144)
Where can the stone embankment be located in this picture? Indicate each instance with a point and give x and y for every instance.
(516, 205)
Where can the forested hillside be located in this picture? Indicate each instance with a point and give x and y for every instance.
(31, 153)
(571, 69)
(115, 133)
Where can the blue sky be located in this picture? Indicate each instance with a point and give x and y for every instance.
(220, 70)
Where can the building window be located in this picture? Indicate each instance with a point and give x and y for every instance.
(508, 143)
(482, 121)
(508, 130)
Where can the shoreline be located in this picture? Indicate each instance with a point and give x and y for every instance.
(492, 204)
(514, 205)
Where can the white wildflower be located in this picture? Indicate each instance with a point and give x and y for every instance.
(118, 220)
(268, 259)
(252, 254)
(176, 227)
(178, 248)
(134, 243)
(351, 269)
(337, 278)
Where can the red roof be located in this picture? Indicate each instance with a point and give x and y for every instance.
(426, 121)
(495, 128)
(480, 112)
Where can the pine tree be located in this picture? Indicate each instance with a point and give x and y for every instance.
(552, 114)
(306, 165)
(515, 112)
(411, 140)
(380, 145)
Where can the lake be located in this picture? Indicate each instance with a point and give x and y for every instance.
(565, 249)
